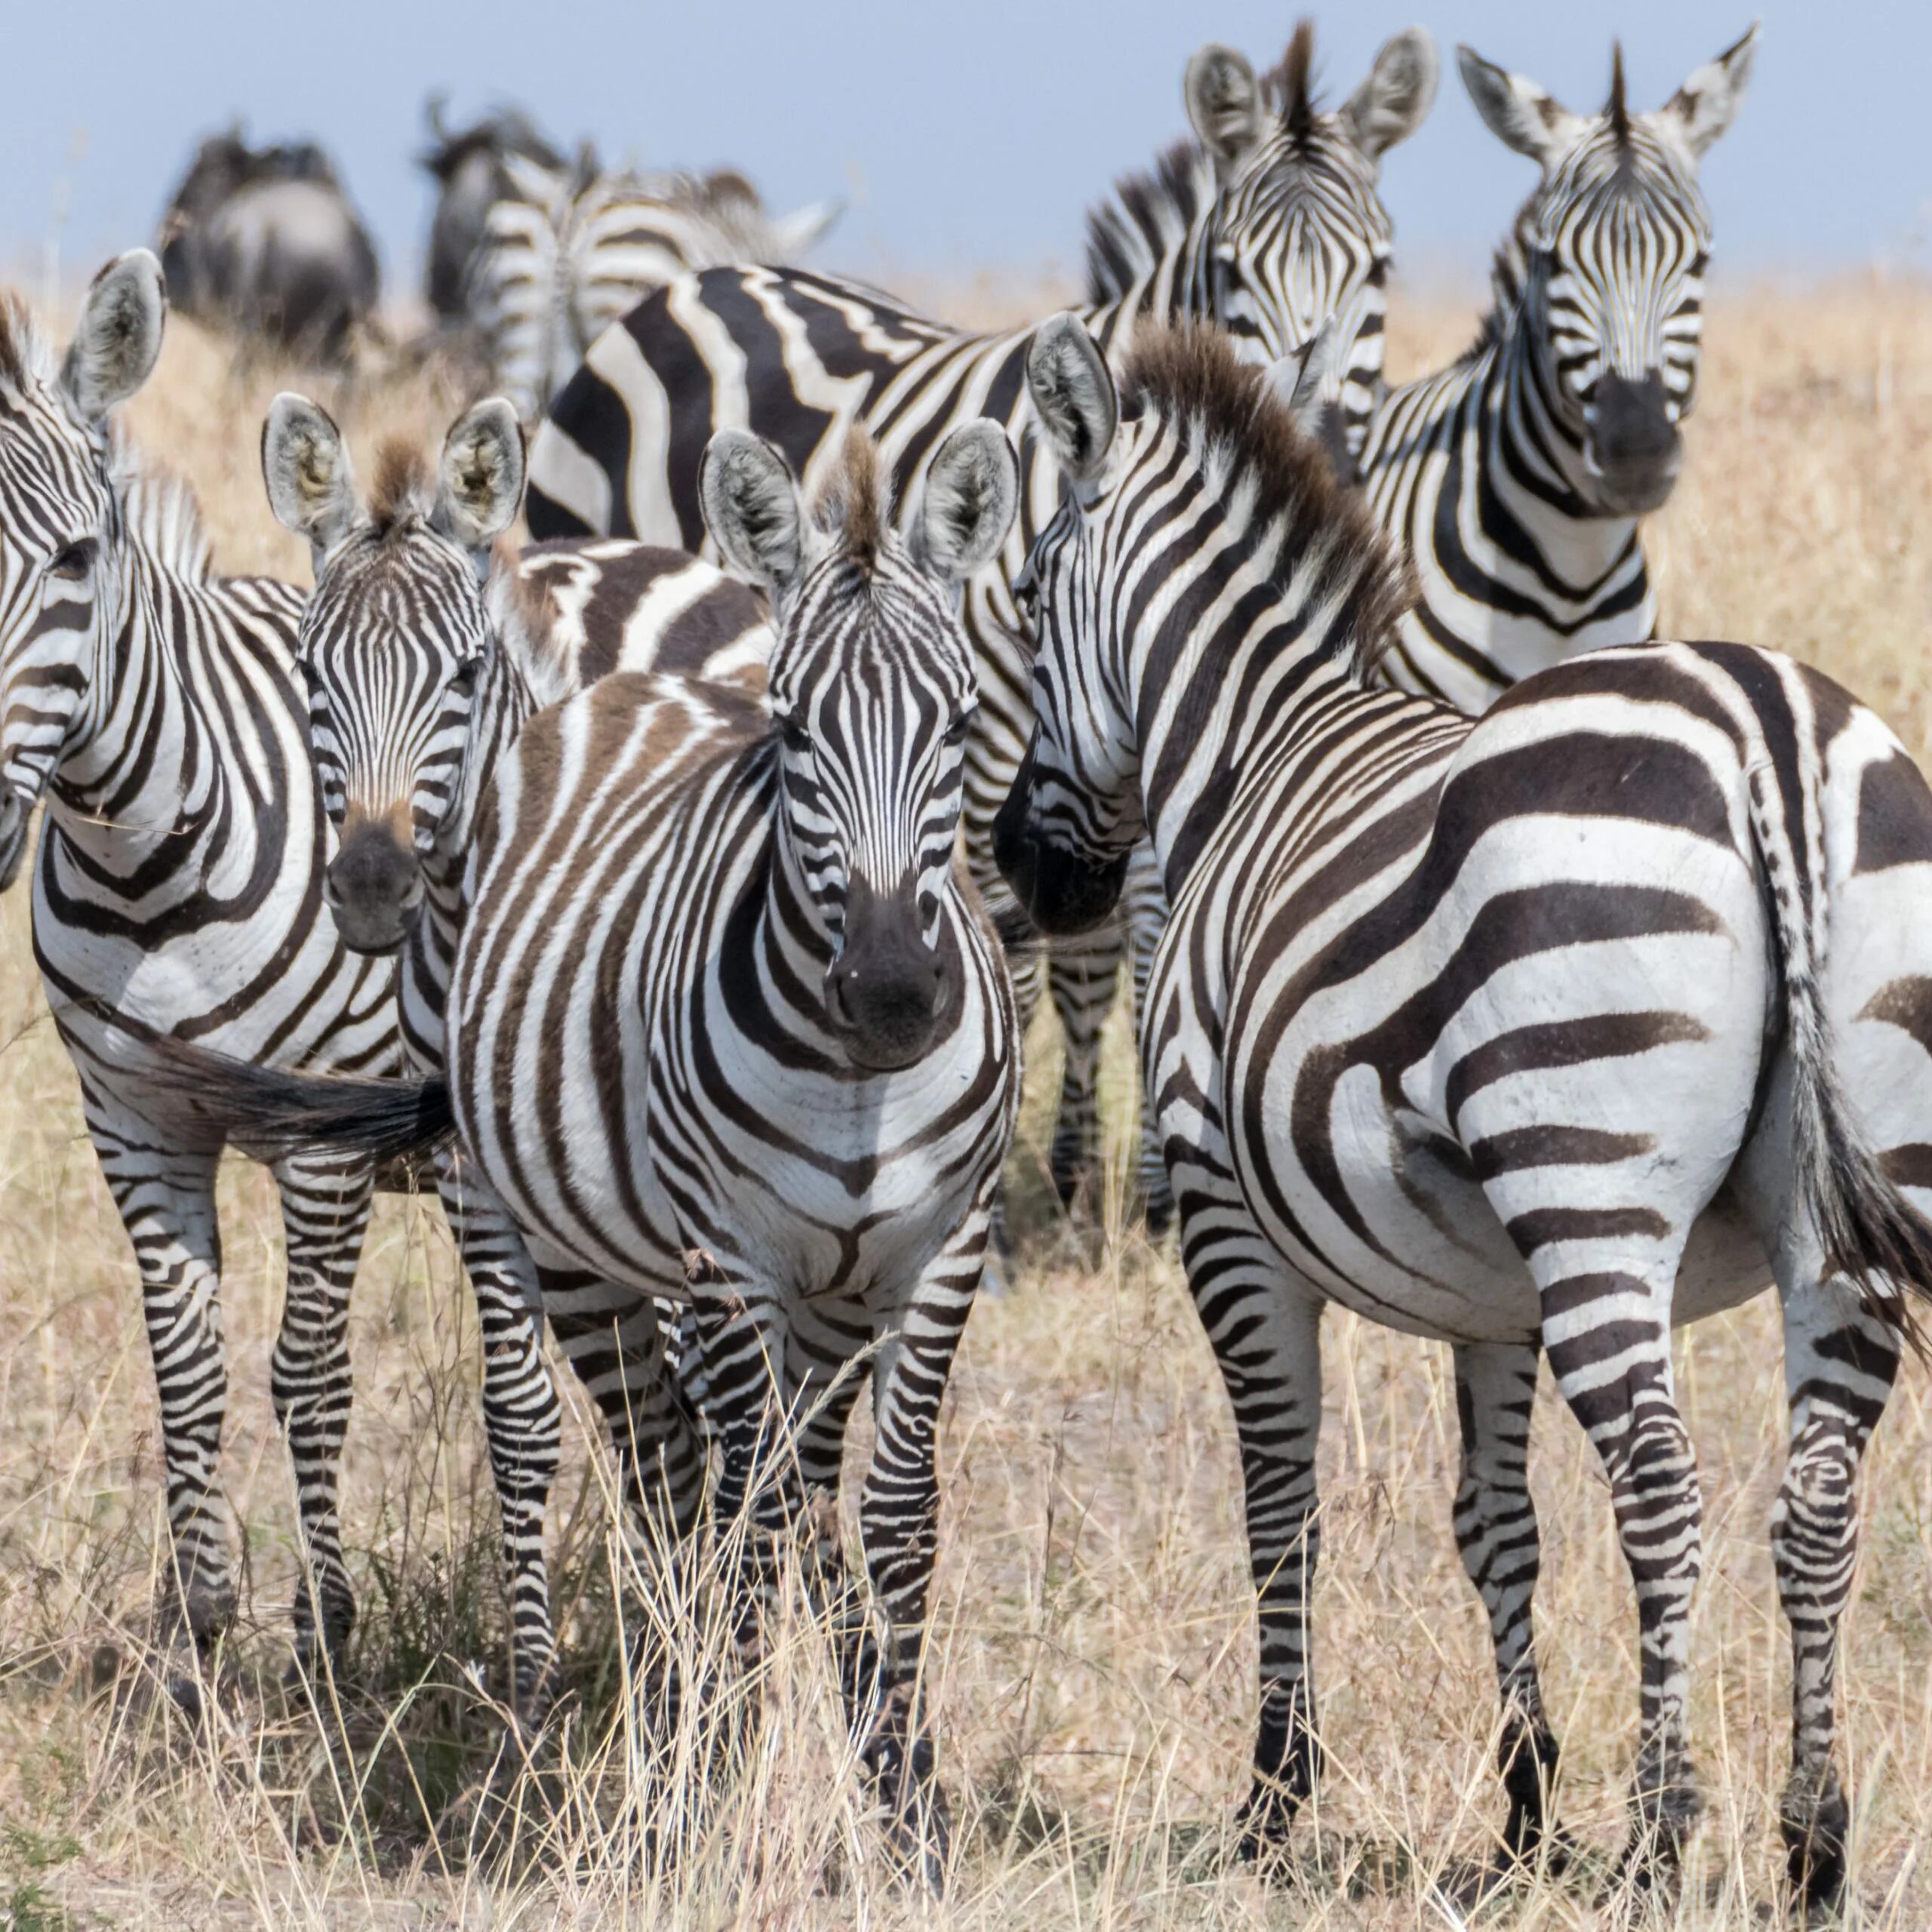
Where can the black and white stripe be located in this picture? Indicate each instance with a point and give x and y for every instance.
(1517, 478)
(1541, 1033)
(1269, 221)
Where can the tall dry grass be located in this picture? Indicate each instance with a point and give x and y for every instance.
(1092, 1665)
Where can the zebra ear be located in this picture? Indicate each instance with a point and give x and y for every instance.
(1224, 106)
(804, 229)
(311, 484)
(1395, 98)
(117, 339)
(972, 491)
(479, 482)
(750, 501)
(1073, 395)
(1701, 110)
(1518, 113)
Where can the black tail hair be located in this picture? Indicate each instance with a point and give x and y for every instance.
(270, 1112)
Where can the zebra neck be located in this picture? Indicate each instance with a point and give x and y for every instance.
(503, 704)
(1214, 704)
(141, 764)
(1147, 242)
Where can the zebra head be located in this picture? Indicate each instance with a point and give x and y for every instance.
(60, 520)
(1606, 268)
(394, 641)
(1298, 234)
(871, 691)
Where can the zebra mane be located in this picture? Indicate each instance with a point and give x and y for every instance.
(1329, 554)
(402, 486)
(851, 504)
(161, 513)
(1145, 220)
(1289, 86)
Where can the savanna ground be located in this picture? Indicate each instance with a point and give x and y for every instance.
(1092, 1666)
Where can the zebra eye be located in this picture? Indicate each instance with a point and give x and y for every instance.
(797, 738)
(463, 679)
(73, 564)
(955, 732)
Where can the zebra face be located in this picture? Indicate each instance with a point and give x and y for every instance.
(1298, 237)
(395, 644)
(60, 521)
(1612, 250)
(1064, 836)
(871, 691)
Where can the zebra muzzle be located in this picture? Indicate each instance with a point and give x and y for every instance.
(888, 993)
(374, 889)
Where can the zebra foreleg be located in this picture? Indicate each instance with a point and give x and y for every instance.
(325, 1215)
(522, 1417)
(1496, 1535)
(899, 1520)
(167, 1204)
(1084, 977)
(1143, 908)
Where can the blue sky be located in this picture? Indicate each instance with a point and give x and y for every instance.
(963, 137)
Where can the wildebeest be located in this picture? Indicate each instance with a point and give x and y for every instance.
(467, 165)
(263, 241)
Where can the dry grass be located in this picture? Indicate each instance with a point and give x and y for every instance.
(1094, 1660)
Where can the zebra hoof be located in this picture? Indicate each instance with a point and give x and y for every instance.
(1814, 1823)
(1157, 1214)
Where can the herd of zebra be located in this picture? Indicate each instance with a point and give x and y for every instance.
(1501, 974)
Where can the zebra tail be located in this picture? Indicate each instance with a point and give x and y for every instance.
(271, 1113)
(1870, 1234)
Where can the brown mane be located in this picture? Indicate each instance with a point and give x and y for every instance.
(852, 501)
(402, 483)
(1618, 110)
(1223, 408)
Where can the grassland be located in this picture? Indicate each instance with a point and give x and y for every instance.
(1093, 1662)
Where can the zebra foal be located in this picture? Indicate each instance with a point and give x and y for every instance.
(1540, 1033)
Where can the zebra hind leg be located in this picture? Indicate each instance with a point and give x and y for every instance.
(1496, 1537)
(325, 1212)
(1839, 1365)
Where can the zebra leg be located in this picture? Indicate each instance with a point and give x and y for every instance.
(1496, 1534)
(1839, 1366)
(899, 1520)
(1144, 915)
(522, 1416)
(1083, 976)
(324, 1214)
(166, 1202)
(1606, 1330)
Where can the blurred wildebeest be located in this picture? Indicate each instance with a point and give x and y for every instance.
(264, 241)
(468, 165)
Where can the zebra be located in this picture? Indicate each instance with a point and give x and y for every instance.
(1541, 1032)
(566, 251)
(466, 163)
(420, 671)
(154, 708)
(1517, 478)
(1268, 220)
(727, 1025)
